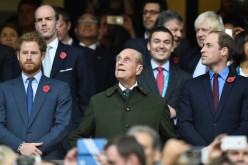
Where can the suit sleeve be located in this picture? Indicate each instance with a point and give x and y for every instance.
(166, 128)
(185, 120)
(6, 137)
(86, 127)
(61, 120)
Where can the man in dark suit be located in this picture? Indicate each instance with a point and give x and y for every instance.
(160, 45)
(64, 62)
(34, 115)
(111, 112)
(216, 102)
(7, 63)
(101, 60)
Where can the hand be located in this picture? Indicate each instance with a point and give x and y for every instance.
(71, 157)
(173, 112)
(236, 31)
(214, 149)
(128, 25)
(30, 149)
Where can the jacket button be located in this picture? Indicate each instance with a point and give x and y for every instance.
(128, 109)
(215, 124)
(127, 126)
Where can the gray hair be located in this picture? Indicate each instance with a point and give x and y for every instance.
(156, 141)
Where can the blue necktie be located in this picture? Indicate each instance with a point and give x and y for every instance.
(30, 95)
(127, 92)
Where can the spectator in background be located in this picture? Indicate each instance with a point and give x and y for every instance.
(8, 62)
(174, 22)
(25, 14)
(149, 139)
(151, 10)
(240, 54)
(124, 150)
(204, 23)
(9, 34)
(65, 26)
(101, 60)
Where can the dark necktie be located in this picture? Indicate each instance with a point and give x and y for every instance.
(160, 80)
(216, 90)
(127, 92)
(30, 95)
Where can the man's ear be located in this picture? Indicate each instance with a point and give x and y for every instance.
(224, 51)
(139, 69)
(43, 55)
(18, 55)
(58, 23)
(148, 46)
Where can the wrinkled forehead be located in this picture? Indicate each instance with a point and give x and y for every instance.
(128, 53)
(87, 16)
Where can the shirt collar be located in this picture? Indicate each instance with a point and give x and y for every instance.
(123, 88)
(92, 46)
(223, 74)
(54, 44)
(37, 77)
(165, 66)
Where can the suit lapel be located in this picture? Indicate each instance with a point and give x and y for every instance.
(20, 98)
(209, 94)
(39, 99)
(224, 95)
(171, 82)
(57, 60)
(149, 78)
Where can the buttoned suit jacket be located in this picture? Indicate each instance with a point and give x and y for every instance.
(75, 70)
(199, 123)
(49, 119)
(109, 114)
(177, 78)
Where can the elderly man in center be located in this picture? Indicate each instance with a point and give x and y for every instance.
(126, 104)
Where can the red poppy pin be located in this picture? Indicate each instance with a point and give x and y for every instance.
(230, 79)
(62, 55)
(46, 88)
(176, 60)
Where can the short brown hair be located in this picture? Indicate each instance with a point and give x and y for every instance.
(32, 36)
(224, 40)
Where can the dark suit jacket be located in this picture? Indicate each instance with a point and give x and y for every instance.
(176, 81)
(102, 63)
(109, 114)
(49, 118)
(74, 69)
(199, 123)
(190, 60)
(7, 63)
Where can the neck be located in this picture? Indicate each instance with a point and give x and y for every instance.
(127, 84)
(65, 41)
(244, 65)
(217, 69)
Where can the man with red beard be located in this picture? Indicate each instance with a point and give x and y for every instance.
(35, 111)
(124, 105)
